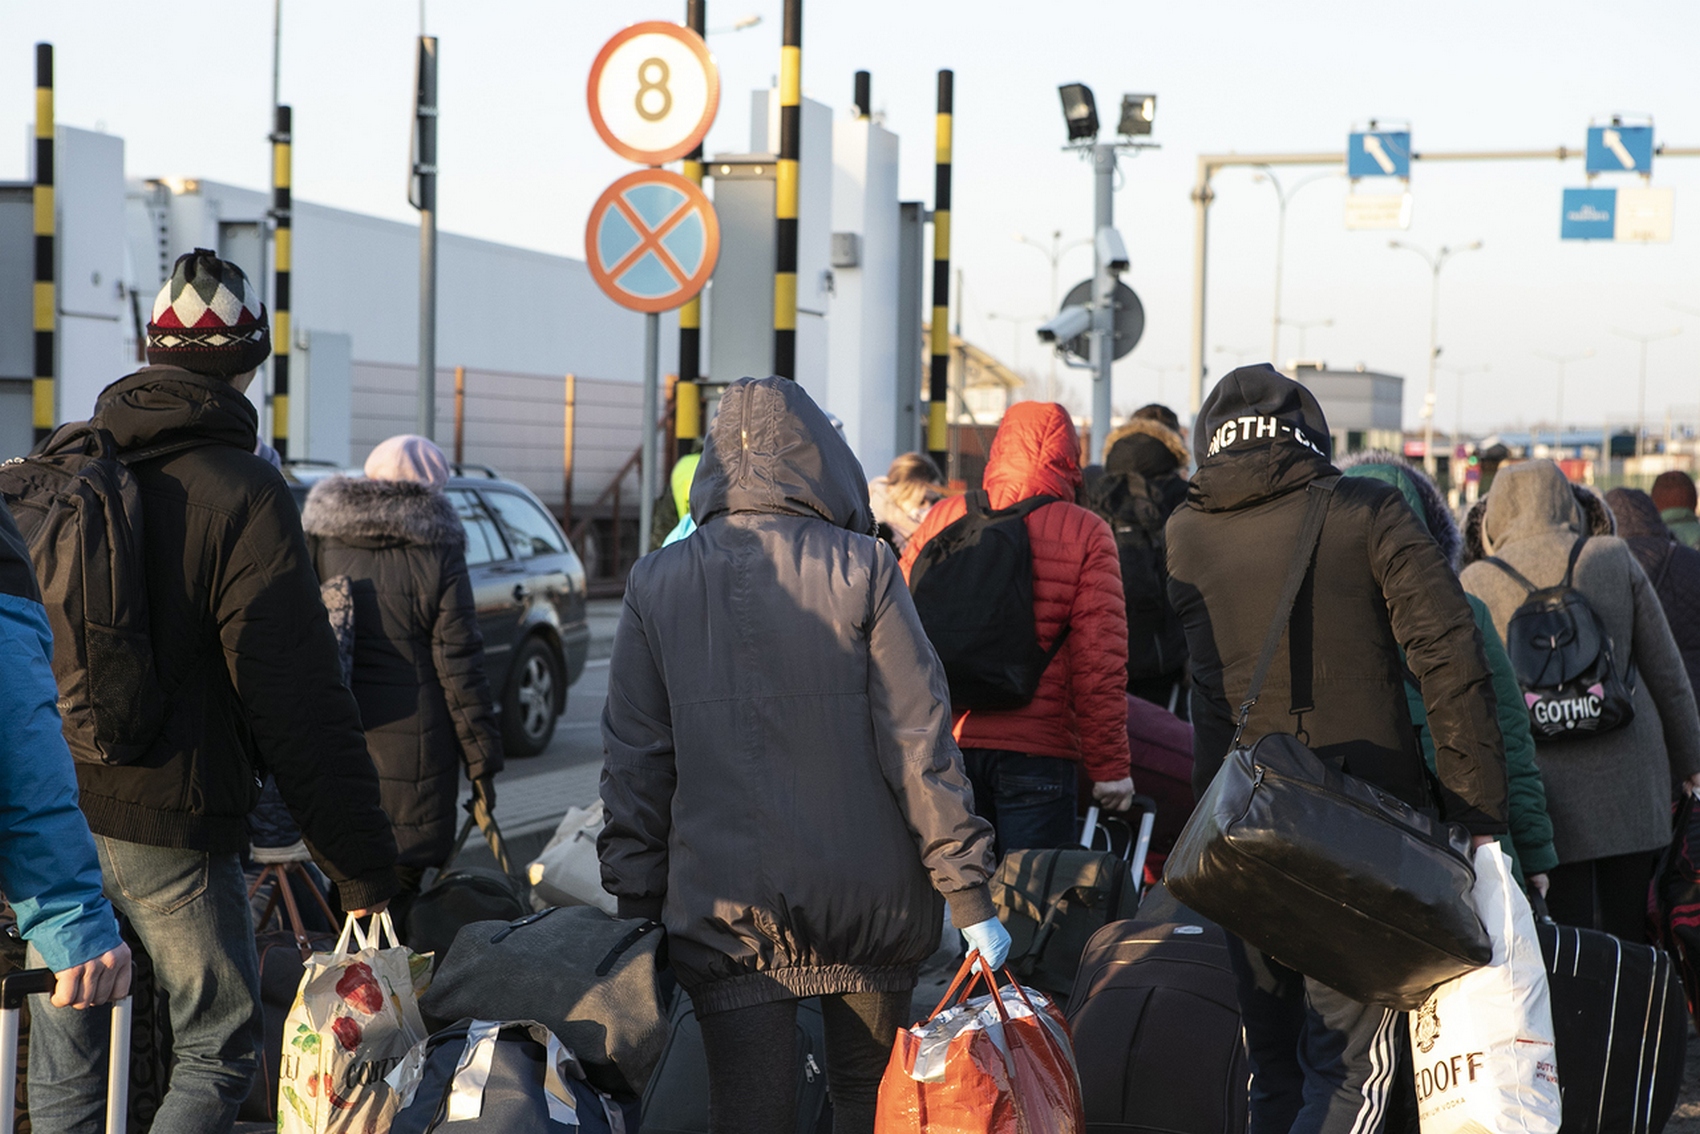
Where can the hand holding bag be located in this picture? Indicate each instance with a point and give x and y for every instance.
(1327, 873)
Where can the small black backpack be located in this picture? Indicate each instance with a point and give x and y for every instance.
(79, 509)
(1563, 660)
(1156, 639)
(973, 588)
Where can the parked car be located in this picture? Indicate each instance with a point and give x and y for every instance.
(529, 586)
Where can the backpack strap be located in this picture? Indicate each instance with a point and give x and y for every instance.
(978, 502)
(1575, 552)
(1310, 533)
(1514, 573)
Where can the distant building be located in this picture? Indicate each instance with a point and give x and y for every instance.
(1364, 407)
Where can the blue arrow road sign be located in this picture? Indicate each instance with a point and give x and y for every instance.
(1379, 153)
(1620, 149)
(1589, 214)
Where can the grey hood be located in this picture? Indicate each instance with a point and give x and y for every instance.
(375, 513)
(772, 450)
(1528, 499)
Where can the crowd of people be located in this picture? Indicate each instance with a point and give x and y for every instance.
(793, 785)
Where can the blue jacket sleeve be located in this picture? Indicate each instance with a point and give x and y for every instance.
(48, 867)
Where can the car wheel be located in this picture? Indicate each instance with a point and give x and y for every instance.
(532, 701)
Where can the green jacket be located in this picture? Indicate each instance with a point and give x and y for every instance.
(1529, 841)
(1683, 525)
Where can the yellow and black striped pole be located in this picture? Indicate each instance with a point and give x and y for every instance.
(938, 390)
(46, 302)
(785, 194)
(281, 255)
(690, 315)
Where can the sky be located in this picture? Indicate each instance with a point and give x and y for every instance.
(521, 163)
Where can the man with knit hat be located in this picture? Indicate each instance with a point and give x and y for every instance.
(1322, 1063)
(253, 684)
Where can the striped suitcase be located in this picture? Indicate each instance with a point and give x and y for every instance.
(1621, 1026)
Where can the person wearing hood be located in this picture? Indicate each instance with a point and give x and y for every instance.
(1674, 496)
(252, 680)
(1528, 843)
(1024, 762)
(418, 671)
(1671, 566)
(1144, 481)
(1609, 794)
(1380, 596)
(782, 788)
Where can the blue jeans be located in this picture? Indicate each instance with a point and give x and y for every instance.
(190, 910)
(1030, 801)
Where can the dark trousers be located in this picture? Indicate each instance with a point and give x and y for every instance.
(752, 1062)
(1609, 894)
(1321, 1063)
(1029, 800)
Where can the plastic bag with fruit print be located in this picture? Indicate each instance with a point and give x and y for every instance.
(355, 1016)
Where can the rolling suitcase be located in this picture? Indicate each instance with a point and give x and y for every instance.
(1160, 748)
(1621, 1026)
(676, 1099)
(1155, 1017)
(14, 987)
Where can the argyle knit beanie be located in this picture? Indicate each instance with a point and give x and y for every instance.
(208, 319)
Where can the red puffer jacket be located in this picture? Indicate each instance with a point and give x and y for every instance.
(1079, 712)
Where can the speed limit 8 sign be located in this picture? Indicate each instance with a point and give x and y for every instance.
(654, 90)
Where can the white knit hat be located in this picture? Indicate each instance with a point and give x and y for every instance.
(408, 456)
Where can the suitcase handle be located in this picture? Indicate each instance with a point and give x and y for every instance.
(36, 982)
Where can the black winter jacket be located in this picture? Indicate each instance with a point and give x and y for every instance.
(243, 649)
(781, 783)
(1378, 583)
(418, 654)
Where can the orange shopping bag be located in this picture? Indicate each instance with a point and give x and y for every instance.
(997, 1063)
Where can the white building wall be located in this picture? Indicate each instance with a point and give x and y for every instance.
(863, 368)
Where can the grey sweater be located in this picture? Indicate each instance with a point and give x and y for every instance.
(1608, 794)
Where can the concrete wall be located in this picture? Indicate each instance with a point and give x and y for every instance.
(863, 366)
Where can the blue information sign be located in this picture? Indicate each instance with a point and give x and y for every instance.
(1589, 214)
(1379, 153)
(1620, 149)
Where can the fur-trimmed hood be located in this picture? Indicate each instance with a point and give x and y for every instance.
(1144, 458)
(1419, 492)
(381, 512)
(1589, 507)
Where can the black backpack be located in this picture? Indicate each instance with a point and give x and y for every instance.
(79, 509)
(1156, 640)
(1563, 660)
(973, 588)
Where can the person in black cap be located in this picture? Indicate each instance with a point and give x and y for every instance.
(1321, 1063)
(252, 680)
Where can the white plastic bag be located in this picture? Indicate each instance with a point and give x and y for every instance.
(567, 872)
(355, 1016)
(1483, 1043)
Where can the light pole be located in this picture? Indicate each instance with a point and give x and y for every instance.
(1283, 196)
(1015, 322)
(1460, 372)
(1694, 311)
(1240, 353)
(1641, 401)
(1561, 361)
(1162, 371)
(1303, 326)
(1435, 261)
(1054, 253)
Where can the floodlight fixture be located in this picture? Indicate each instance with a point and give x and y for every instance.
(1139, 111)
(1080, 111)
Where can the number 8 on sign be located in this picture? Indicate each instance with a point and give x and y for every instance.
(653, 93)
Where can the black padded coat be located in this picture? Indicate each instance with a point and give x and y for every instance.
(781, 783)
(418, 653)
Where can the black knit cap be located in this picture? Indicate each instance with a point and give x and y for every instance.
(208, 318)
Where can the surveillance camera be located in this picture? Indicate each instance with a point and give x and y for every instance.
(1112, 253)
(1069, 323)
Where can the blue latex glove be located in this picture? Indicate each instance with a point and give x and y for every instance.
(989, 939)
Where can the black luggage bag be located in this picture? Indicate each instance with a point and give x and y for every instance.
(1155, 1018)
(1621, 1030)
(459, 896)
(676, 1099)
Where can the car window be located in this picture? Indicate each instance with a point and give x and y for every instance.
(483, 540)
(529, 529)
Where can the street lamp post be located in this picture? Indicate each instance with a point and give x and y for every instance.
(1283, 196)
(1240, 353)
(1460, 373)
(1435, 261)
(1054, 253)
(1561, 361)
(1303, 326)
(1162, 371)
(1641, 400)
(1015, 322)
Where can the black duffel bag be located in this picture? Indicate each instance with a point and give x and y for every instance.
(1326, 873)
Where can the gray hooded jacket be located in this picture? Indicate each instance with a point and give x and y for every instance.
(782, 788)
(1608, 794)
